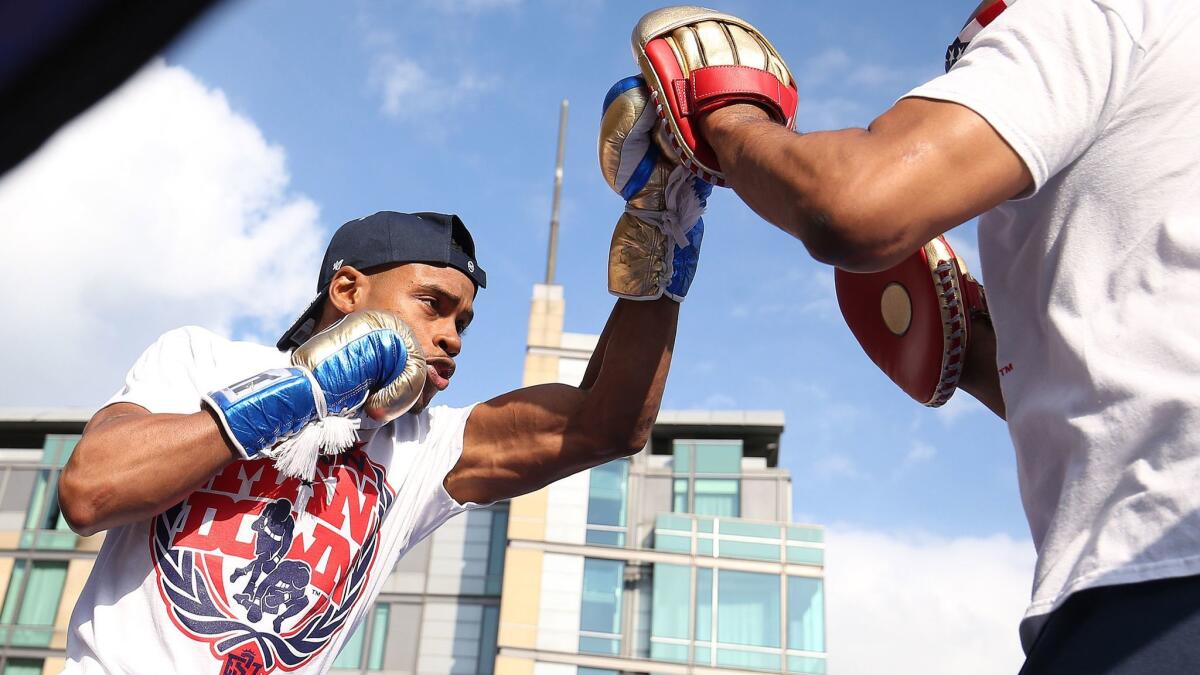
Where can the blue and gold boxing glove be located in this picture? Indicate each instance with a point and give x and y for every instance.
(656, 243)
(369, 362)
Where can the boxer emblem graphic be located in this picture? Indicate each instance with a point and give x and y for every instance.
(281, 591)
(265, 587)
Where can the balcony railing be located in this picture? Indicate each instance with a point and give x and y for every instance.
(738, 538)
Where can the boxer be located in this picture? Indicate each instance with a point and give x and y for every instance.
(254, 497)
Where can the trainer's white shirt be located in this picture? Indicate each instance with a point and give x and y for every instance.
(1094, 281)
(162, 596)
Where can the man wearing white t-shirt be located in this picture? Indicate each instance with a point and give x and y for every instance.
(219, 561)
(1072, 128)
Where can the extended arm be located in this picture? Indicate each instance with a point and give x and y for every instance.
(526, 439)
(131, 465)
(863, 199)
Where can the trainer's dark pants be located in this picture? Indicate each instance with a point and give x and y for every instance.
(1151, 628)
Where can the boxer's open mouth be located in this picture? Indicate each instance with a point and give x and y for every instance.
(439, 373)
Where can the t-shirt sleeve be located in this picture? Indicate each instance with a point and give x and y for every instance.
(164, 379)
(1048, 75)
(439, 453)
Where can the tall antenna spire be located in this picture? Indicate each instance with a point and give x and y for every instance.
(558, 176)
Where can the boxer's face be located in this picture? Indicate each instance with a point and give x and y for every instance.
(436, 302)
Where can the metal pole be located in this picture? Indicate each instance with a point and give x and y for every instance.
(558, 176)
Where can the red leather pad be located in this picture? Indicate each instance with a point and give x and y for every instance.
(925, 360)
(712, 87)
(718, 86)
(666, 66)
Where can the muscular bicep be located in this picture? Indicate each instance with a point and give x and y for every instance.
(929, 166)
(111, 412)
(519, 442)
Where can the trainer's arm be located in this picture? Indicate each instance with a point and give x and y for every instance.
(864, 199)
(131, 465)
(526, 439)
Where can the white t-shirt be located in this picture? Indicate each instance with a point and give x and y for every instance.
(232, 580)
(1094, 281)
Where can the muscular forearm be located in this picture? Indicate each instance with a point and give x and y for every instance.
(802, 184)
(980, 377)
(863, 199)
(597, 358)
(632, 373)
(131, 465)
(526, 439)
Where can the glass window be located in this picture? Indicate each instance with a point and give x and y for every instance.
(23, 667)
(809, 665)
(34, 591)
(379, 634)
(704, 591)
(600, 613)
(805, 556)
(748, 609)
(487, 640)
(809, 534)
(672, 542)
(708, 457)
(497, 544)
(597, 671)
(717, 497)
(679, 501)
(740, 658)
(806, 614)
(45, 526)
(749, 550)
(672, 584)
(682, 457)
(721, 457)
(609, 484)
(350, 658)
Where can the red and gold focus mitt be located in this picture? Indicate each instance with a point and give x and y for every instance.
(696, 60)
(914, 319)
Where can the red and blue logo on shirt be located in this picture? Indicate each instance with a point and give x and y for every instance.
(264, 586)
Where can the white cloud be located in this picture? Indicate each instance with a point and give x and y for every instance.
(410, 92)
(924, 605)
(718, 401)
(835, 465)
(822, 67)
(959, 406)
(920, 451)
(835, 112)
(807, 291)
(159, 207)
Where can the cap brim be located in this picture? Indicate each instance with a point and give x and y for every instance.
(304, 327)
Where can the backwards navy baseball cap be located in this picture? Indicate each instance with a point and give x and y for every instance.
(388, 238)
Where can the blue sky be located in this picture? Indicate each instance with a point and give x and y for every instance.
(471, 130)
(204, 191)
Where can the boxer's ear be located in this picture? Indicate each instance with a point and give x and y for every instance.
(348, 290)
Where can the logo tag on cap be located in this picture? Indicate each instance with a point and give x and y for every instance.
(471, 266)
(338, 265)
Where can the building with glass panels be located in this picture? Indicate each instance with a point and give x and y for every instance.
(680, 559)
(437, 615)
